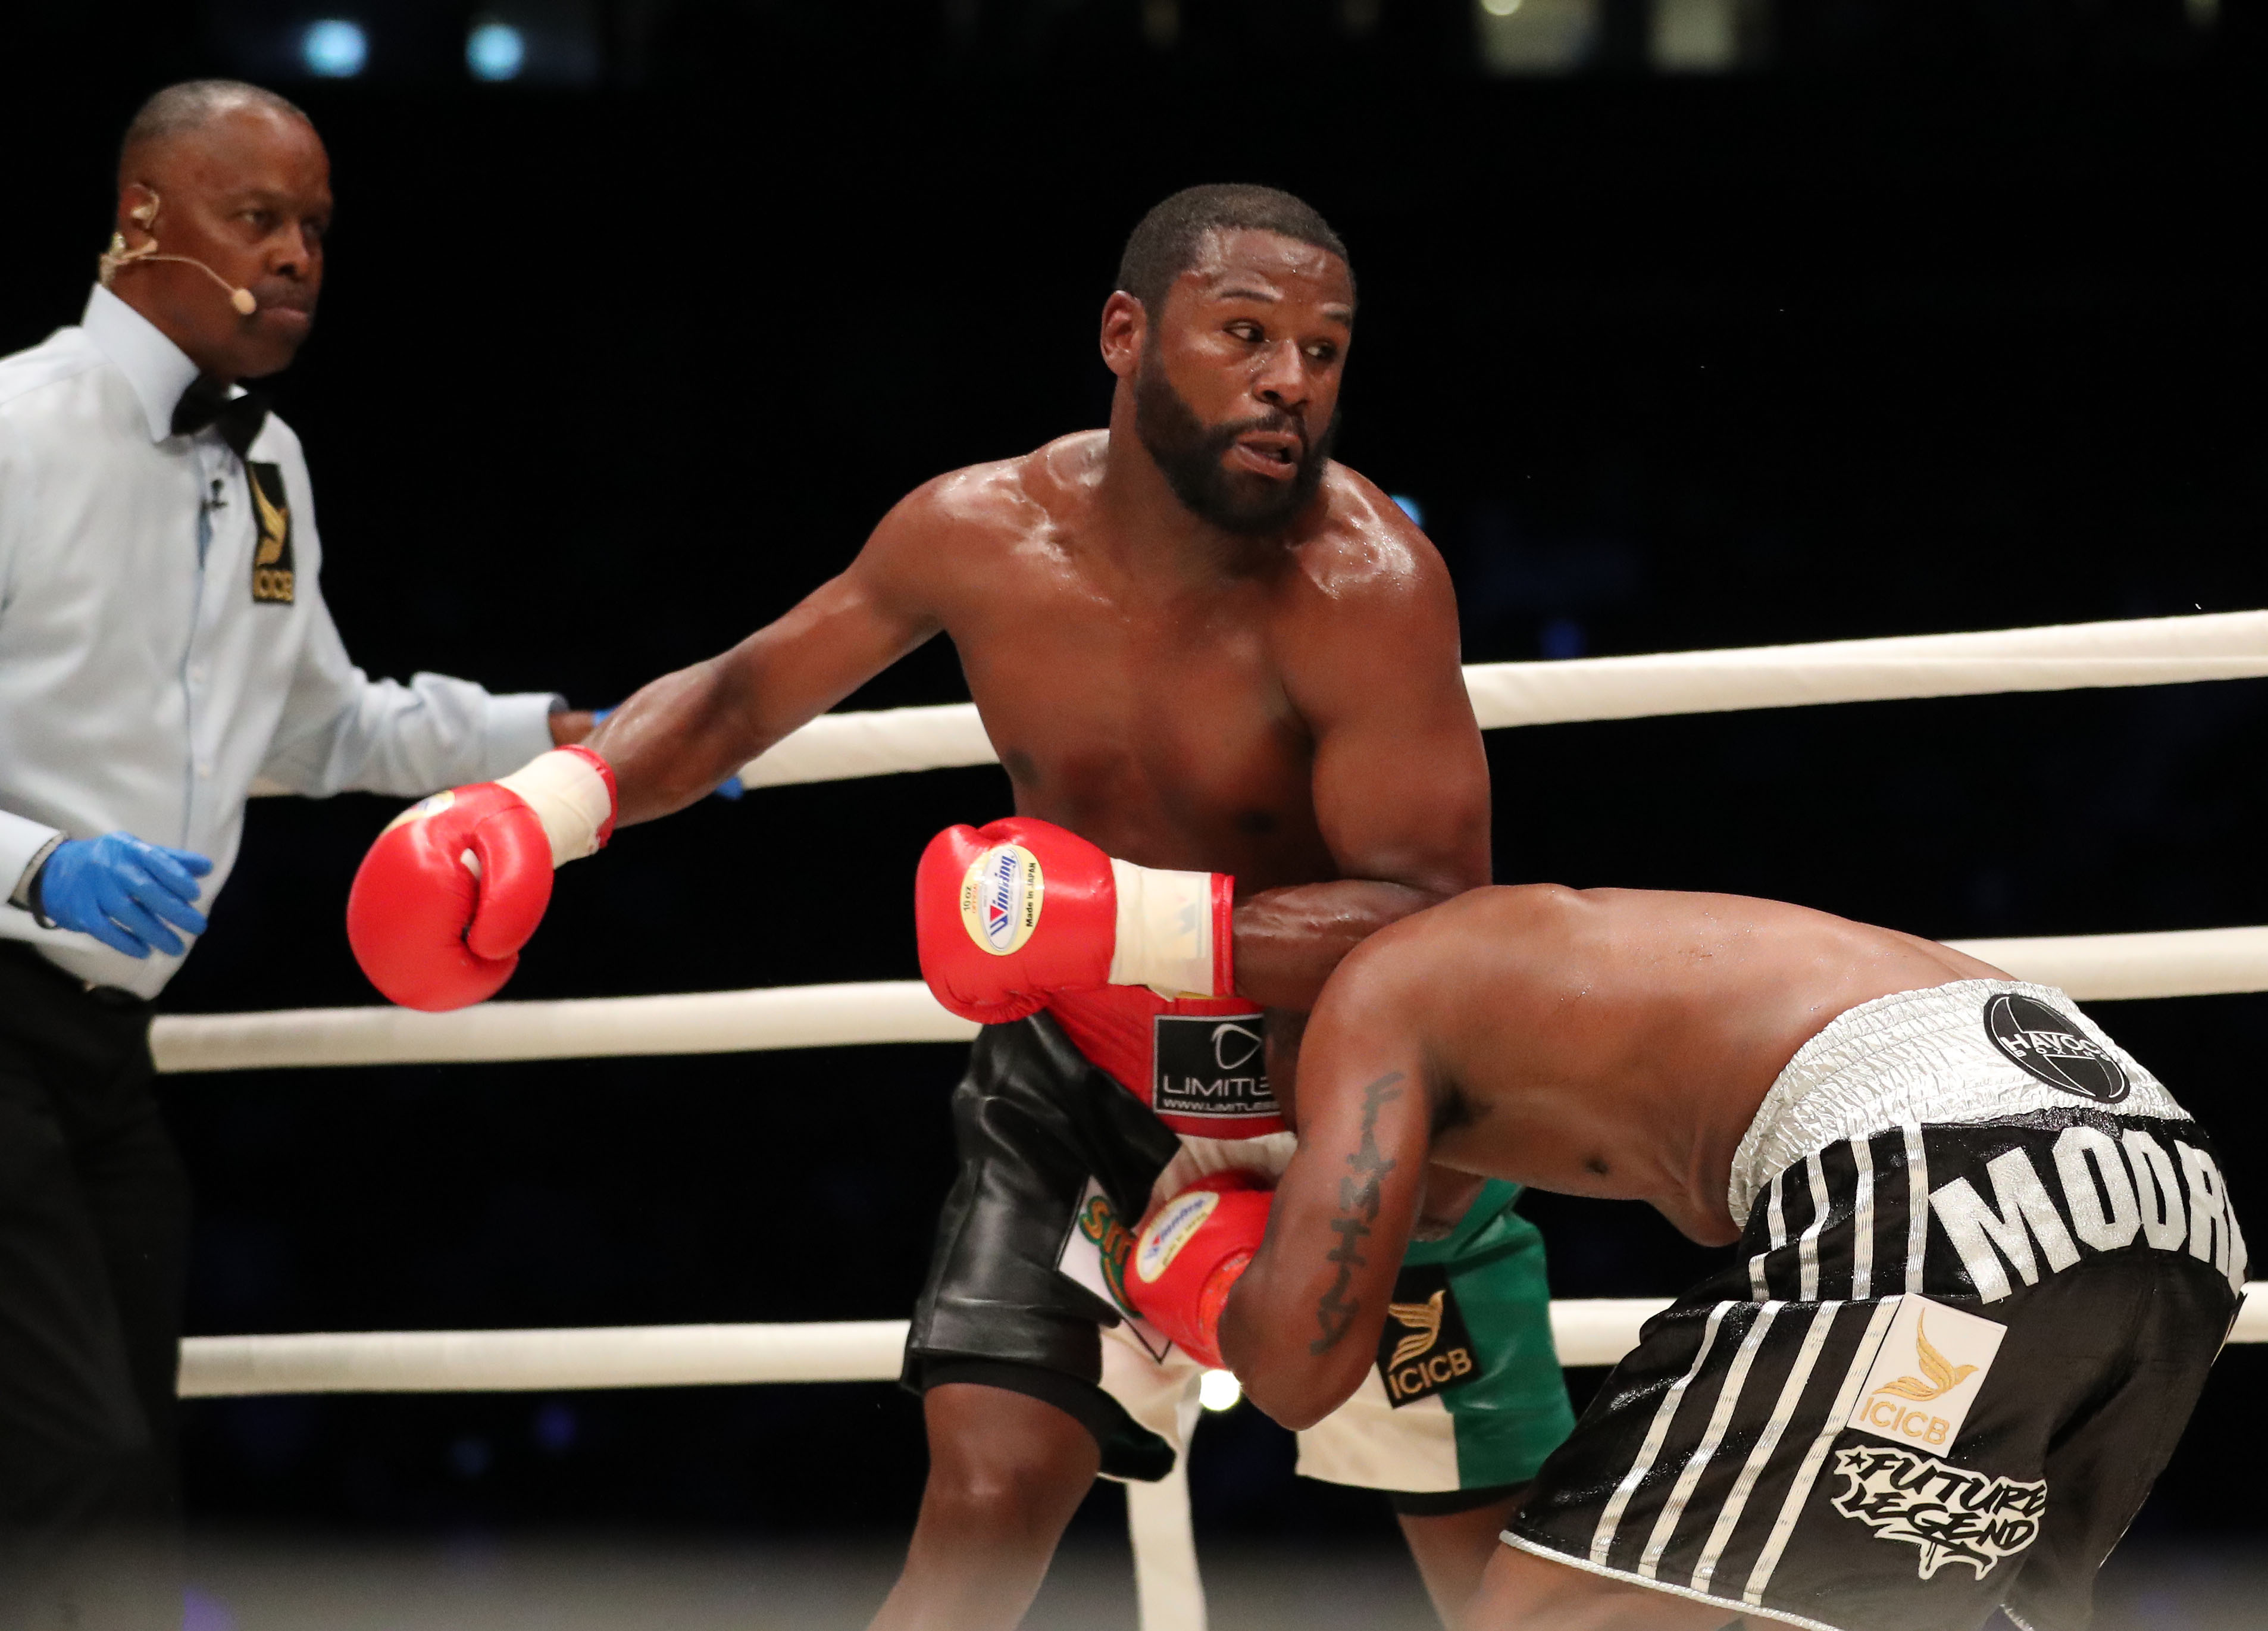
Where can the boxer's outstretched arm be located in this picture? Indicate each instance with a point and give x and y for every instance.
(428, 941)
(1302, 1326)
(677, 738)
(1400, 780)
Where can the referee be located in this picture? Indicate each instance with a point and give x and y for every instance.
(163, 643)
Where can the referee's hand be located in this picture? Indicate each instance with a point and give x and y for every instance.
(122, 891)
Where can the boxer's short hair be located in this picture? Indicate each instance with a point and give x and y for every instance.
(1165, 242)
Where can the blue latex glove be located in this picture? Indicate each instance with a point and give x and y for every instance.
(732, 787)
(124, 892)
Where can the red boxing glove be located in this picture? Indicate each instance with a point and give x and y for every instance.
(1189, 1255)
(1009, 914)
(456, 884)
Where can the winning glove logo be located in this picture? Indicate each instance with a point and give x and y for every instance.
(1170, 1230)
(1000, 899)
(1952, 1515)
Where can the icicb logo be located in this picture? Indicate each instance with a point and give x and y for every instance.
(1426, 1347)
(1926, 1374)
(1952, 1515)
(1170, 1230)
(1000, 899)
(2051, 1047)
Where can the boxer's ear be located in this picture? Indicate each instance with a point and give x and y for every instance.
(1125, 327)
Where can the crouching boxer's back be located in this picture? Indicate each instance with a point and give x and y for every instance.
(1985, 1258)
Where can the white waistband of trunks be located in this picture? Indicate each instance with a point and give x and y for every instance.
(1918, 1057)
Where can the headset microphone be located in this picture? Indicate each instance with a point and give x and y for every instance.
(118, 255)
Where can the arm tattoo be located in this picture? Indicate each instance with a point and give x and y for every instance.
(1358, 1201)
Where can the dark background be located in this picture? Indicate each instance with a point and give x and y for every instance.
(1923, 317)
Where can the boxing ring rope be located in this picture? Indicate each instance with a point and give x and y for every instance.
(1595, 1331)
(709, 1021)
(2077, 656)
(2152, 651)
(2092, 968)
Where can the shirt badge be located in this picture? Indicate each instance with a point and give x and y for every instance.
(272, 559)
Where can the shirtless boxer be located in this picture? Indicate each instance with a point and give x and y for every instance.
(1222, 671)
(1883, 1416)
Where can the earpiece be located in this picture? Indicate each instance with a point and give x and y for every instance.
(145, 216)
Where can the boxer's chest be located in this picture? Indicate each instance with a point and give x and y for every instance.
(1162, 731)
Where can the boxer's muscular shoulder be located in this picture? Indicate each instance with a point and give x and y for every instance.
(1363, 567)
(950, 526)
(1363, 552)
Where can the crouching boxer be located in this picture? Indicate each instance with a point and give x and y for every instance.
(1985, 1258)
(1228, 664)
(1065, 1154)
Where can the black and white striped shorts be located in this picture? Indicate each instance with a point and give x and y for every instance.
(1893, 1416)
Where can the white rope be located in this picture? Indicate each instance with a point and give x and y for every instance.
(2146, 651)
(2093, 968)
(2109, 968)
(2150, 651)
(511, 1361)
(713, 1021)
(836, 747)
(1599, 1330)
(1585, 1332)
(1595, 1332)
(2154, 651)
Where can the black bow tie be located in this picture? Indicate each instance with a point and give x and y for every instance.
(239, 417)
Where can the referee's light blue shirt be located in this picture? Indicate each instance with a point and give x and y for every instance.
(143, 686)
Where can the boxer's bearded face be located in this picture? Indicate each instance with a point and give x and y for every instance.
(1235, 393)
(1196, 458)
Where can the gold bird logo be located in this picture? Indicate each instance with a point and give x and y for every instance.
(274, 526)
(1425, 1318)
(1943, 1376)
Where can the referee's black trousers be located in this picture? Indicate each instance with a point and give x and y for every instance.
(94, 1233)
